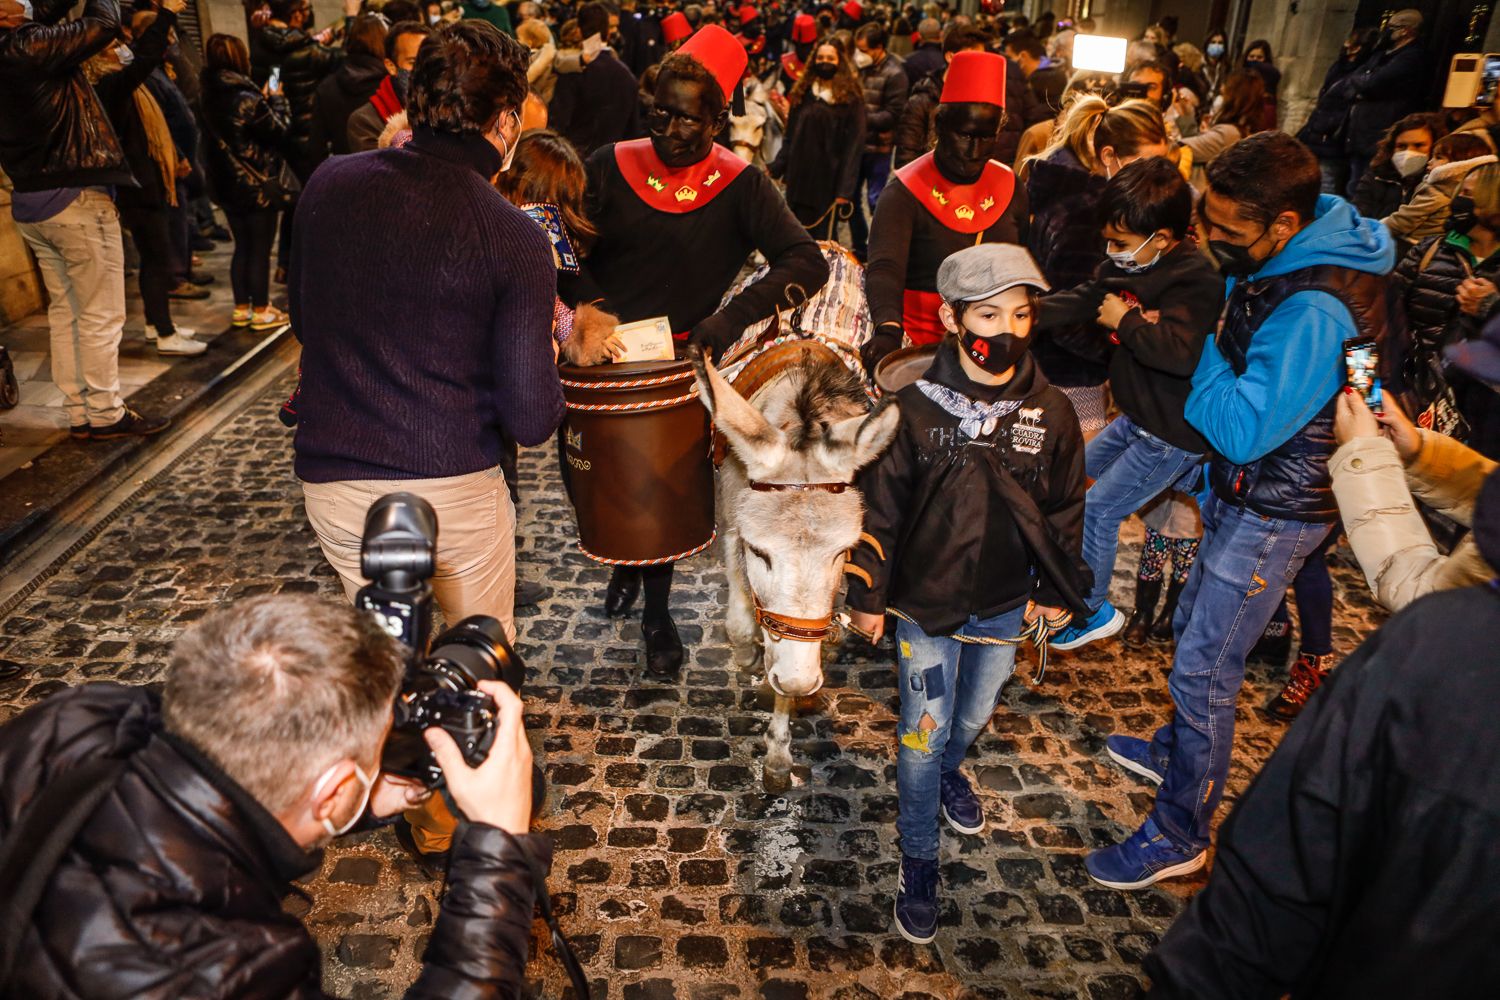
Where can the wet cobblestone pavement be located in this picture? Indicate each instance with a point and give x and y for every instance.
(677, 877)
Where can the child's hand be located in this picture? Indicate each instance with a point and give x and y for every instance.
(1112, 310)
(1044, 611)
(872, 625)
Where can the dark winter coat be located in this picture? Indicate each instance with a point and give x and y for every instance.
(913, 135)
(304, 63)
(819, 159)
(244, 132)
(117, 93)
(342, 92)
(1067, 246)
(1381, 190)
(950, 538)
(1361, 861)
(598, 106)
(1389, 85)
(179, 874)
(1426, 281)
(53, 130)
(926, 60)
(1151, 367)
(886, 86)
(1325, 131)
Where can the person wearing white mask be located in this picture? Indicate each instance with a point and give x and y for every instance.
(1158, 298)
(886, 87)
(416, 239)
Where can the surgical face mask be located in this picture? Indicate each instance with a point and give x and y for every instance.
(364, 799)
(123, 53)
(825, 70)
(510, 151)
(434, 19)
(863, 59)
(1461, 216)
(1125, 259)
(1215, 50)
(1408, 163)
(997, 354)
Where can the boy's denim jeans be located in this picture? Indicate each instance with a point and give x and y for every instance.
(1243, 568)
(1129, 466)
(949, 690)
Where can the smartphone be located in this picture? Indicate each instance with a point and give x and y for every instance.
(1489, 81)
(273, 83)
(1362, 366)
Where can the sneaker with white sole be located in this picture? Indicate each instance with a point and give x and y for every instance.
(916, 908)
(1107, 620)
(180, 343)
(1145, 858)
(182, 331)
(1134, 755)
(269, 318)
(959, 805)
(240, 317)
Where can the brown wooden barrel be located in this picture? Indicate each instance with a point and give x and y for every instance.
(902, 367)
(636, 444)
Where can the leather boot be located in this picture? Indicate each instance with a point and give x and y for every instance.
(624, 588)
(1308, 673)
(1161, 630)
(1147, 593)
(663, 648)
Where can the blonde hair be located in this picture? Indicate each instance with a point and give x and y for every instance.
(1486, 189)
(1088, 124)
(1189, 55)
(533, 34)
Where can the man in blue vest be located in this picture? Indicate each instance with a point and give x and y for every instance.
(1305, 273)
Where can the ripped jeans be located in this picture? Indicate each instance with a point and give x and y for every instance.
(949, 690)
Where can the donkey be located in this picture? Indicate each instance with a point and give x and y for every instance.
(787, 516)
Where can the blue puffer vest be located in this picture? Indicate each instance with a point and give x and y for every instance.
(1292, 481)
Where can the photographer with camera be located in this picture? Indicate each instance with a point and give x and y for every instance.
(171, 826)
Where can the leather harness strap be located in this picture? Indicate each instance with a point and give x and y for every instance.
(796, 629)
(779, 487)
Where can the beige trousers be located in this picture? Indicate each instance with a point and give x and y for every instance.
(83, 266)
(476, 566)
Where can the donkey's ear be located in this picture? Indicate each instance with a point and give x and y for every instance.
(855, 442)
(759, 445)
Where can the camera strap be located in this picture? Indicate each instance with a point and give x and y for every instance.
(565, 956)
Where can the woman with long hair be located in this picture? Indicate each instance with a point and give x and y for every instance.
(1259, 59)
(1090, 144)
(1396, 168)
(1238, 115)
(1215, 63)
(245, 128)
(819, 160)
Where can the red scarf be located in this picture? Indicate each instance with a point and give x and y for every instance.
(385, 100)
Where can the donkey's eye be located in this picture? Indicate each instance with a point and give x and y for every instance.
(757, 553)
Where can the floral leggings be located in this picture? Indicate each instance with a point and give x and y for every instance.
(1157, 549)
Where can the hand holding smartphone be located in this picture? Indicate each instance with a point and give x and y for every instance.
(1362, 368)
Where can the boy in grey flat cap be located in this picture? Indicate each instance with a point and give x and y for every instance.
(973, 542)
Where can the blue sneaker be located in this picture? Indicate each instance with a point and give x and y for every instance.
(960, 806)
(1135, 756)
(1146, 857)
(916, 900)
(1106, 621)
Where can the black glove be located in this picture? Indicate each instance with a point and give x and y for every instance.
(716, 335)
(883, 342)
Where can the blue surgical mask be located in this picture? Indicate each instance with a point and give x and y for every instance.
(1215, 50)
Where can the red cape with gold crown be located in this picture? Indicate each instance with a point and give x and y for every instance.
(677, 190)
(963, 208)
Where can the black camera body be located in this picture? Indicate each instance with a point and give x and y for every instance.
(440, 689)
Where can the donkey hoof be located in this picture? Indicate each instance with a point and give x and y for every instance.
(776, 781)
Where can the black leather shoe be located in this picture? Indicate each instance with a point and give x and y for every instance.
(433, 864)
(663, 648)
(624, 588)
(529, 592)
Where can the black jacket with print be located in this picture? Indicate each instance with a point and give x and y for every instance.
(948, 531)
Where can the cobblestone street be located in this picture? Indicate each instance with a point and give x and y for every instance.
(676, 875)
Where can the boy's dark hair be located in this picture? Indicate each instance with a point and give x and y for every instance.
(1457, 146)
(1148, 195)
(401, 11)
(1267, 174)
(873, 34)
(593, 19)
(465, 75)
(962, 37)
(399, 30)
(1026, 44)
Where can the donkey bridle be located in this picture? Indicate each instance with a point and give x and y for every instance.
(785, 626)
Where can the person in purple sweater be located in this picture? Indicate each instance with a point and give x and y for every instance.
(423, 300)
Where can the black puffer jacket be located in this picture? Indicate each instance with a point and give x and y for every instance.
(1426, 282)
(1067, 246)
(1327, 126)
(886, 87)
(53, 130)
(243, 133)
(341, 93)
(304, 63)
(179, 874)
(1381, 191)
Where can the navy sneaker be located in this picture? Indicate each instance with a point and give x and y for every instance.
(1106, 621)
(960, 806)
(1146, 857)
(916, 900)
(1135, 756)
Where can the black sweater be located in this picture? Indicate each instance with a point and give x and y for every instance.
(952, 540)
(1150, 371)
(648, 263)
(423, 300)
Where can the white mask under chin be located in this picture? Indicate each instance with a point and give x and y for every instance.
(364, 800)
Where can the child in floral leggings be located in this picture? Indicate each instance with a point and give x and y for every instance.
(1172, 534)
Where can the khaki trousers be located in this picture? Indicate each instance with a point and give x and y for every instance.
(476, 566)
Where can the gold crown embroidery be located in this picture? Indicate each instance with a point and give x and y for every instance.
(711, 178)
(964, 212)
(987, 204)
(686, 193)
(654, 183)
(939, 197)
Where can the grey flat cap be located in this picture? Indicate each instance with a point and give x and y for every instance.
(988, 269)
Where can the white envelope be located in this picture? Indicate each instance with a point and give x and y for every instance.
(646, 340)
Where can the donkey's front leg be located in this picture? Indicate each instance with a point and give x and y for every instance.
(739, 619)
(777, 775)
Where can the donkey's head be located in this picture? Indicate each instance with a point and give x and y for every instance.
(810, 426)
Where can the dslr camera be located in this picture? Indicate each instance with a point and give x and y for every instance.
(398, 554)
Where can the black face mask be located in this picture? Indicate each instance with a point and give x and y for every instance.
(825, 71)
(1461, 216)
(1234, 260)
(997, 354)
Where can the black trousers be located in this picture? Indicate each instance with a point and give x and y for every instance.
(250, 268)
(150, 228)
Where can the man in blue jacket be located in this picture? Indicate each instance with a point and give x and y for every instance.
(1305, 273)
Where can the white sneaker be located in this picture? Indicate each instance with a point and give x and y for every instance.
(150, 334)
(180, 343)
(182, 331)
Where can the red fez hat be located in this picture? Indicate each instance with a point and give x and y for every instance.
(975, 77)
(748, 13)
(720, 53)
(804, 29)
(853, 9)
(675, 27)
